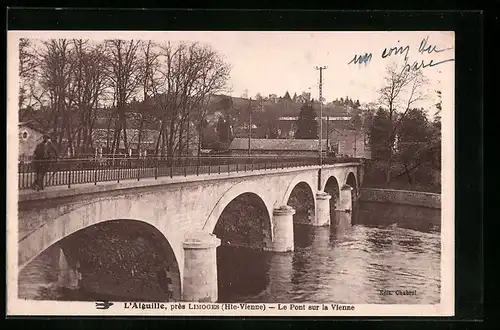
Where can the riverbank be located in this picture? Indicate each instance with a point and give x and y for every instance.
(404, 197)
(421, 179)
(416, 210)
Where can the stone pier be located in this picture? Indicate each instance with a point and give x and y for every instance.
(322, 217)
(346, 199)
(200, 267)
(283, 229)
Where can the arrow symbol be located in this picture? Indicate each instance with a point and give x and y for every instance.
(103, 304)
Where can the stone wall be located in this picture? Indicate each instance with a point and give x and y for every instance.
(415, 198)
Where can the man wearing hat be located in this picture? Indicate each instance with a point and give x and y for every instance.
(44, 151)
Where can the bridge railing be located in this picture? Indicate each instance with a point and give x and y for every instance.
(71, 171)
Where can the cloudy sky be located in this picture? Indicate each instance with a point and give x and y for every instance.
(276, 62)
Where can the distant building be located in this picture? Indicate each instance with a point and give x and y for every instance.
(288, 126)
(29, 136)
(276, 147)
(349, 143)
(102, 139)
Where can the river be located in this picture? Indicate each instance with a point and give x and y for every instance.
(384, 257)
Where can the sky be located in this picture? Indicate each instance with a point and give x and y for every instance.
(276, 62)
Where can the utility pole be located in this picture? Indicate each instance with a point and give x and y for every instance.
(249, 126)
(355, 143)
(327, 134)
(320, 68)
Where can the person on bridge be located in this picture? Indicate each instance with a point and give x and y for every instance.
(44, 152)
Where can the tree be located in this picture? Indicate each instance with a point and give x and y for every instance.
(378, 134)
(273, 98)
(287, 96)
(413, 135)
(356, 121)
(223, 130)
(438, 105)
(125, 80)
(268, 120)
(189, 74)
(56, 69)
(79, 81)
(401, 88)
(27, 70)
(88, 87)
(148, 75)
(294, 99)
(307, 126)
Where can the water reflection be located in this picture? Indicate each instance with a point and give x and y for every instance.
(340, 226)
(241, 272)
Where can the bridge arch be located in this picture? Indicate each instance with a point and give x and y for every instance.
(232, 193)
(245, 222)
(352, 182)
(303, 200)
(332, 188)
(304, 177)
(91, 214)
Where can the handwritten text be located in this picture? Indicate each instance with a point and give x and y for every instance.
(424, 48)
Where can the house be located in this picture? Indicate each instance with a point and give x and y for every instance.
(276, 147)
(29, 136)
(349, 143)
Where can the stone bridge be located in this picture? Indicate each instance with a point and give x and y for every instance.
(183, 214)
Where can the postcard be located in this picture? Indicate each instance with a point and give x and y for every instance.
(230, 173)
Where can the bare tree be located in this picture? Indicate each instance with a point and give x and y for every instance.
(189, 74)
(56, 68)
(401, 89)
(27, 71)
(123, 57)
(87, 88)
(148, 75)
(173, 83)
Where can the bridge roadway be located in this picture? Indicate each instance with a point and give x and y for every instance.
(184, 210)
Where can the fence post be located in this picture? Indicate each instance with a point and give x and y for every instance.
(156, 168)
(69, 175)
(172, 167)
(95, 173)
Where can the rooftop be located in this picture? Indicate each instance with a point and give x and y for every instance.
(276, 144)
(33, 125)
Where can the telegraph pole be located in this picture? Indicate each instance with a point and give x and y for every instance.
(320, 68)
(249, 126)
